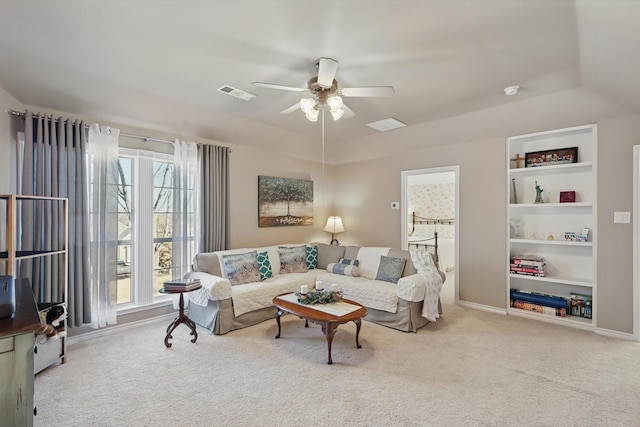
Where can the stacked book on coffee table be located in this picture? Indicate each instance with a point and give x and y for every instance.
(182, 285)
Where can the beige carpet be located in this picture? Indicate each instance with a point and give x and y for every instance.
(471, 368)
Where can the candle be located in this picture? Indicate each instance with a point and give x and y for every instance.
(319, 286)
(334, 287)
(303, 289)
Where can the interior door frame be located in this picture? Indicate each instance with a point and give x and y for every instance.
(404, 214)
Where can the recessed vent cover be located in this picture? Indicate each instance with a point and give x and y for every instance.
(386, 124)
(237, 93)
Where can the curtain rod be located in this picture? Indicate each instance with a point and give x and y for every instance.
(130, 135)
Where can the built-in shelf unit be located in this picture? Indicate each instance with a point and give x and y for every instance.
(538, 229)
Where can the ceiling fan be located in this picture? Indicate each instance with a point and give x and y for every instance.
(325, 91)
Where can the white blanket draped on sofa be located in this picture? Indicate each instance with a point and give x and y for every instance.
(428, 272)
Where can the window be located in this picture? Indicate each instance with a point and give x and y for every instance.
(147, 194)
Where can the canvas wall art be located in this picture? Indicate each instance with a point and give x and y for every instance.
(284, 201)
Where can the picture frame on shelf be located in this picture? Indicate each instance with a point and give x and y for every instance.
(551, 157)
(567, 197)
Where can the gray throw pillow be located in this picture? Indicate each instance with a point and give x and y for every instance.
(242, 268)
(328, 254)
(293, 259)
(390, 269)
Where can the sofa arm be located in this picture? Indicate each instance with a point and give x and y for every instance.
(213, 287)
(412, 288)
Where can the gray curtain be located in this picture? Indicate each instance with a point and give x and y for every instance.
(54, 165)
(214, 198)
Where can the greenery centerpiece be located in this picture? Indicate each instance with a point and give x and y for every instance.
(319, 296)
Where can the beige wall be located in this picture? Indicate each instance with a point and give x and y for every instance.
(361, 192)
(367, 189)
(246, 164)
(616, 138)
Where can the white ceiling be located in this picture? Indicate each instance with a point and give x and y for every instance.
(157, 64)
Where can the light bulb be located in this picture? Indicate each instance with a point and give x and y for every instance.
(307, 104)
(337, 114)
(312, 115)
(334, 102)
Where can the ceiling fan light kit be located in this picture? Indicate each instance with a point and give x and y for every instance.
(337, 115)
(307, 104)
(324, 89)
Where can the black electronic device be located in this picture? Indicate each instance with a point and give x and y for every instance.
(7, 296)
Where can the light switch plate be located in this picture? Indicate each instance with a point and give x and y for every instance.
(621, 217)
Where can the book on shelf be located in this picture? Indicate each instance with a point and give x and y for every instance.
(540, 299)
(528, 261)
(516, 269)
(581, 306)
(537, 308)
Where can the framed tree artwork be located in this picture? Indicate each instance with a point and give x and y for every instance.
(284, 201)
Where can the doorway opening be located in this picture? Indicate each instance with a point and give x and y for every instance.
(429, 209)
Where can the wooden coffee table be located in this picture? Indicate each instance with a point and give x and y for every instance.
(328, 322)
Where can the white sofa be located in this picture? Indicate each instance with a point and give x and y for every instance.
(221, 307)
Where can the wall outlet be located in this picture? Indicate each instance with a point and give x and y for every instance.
(395, 205)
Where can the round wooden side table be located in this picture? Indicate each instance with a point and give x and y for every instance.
(182, 318)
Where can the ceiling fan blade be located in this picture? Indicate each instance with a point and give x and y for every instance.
(348, 112)
(366, 92)
(279, 87)
(327, 68)
(291, 109)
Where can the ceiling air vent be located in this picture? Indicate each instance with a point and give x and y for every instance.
(237, 93)
(386, 124)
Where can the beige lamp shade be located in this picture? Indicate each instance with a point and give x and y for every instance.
(334, 226)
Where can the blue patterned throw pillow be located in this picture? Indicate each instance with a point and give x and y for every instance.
(390, 269)
(265, 265)
(312, 257)
(346, 267)
(293, 259)
(242, 268)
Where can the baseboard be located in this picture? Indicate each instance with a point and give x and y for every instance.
(482, 307)
(96, 333)
(616, 334)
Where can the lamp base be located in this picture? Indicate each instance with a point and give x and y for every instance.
(334, 242)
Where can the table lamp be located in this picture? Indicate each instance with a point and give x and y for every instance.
(334, 226)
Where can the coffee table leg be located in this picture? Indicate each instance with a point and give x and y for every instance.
(278, 315)
(358, 323)
(328, 329)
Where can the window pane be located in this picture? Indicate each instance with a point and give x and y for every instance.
(162, 199)
(162, 174)
(162, 224)
(124, 227)
(125, 184)
(123, 266)
(162, 261)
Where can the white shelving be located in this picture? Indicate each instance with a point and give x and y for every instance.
(52, 219)
(570, 265)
